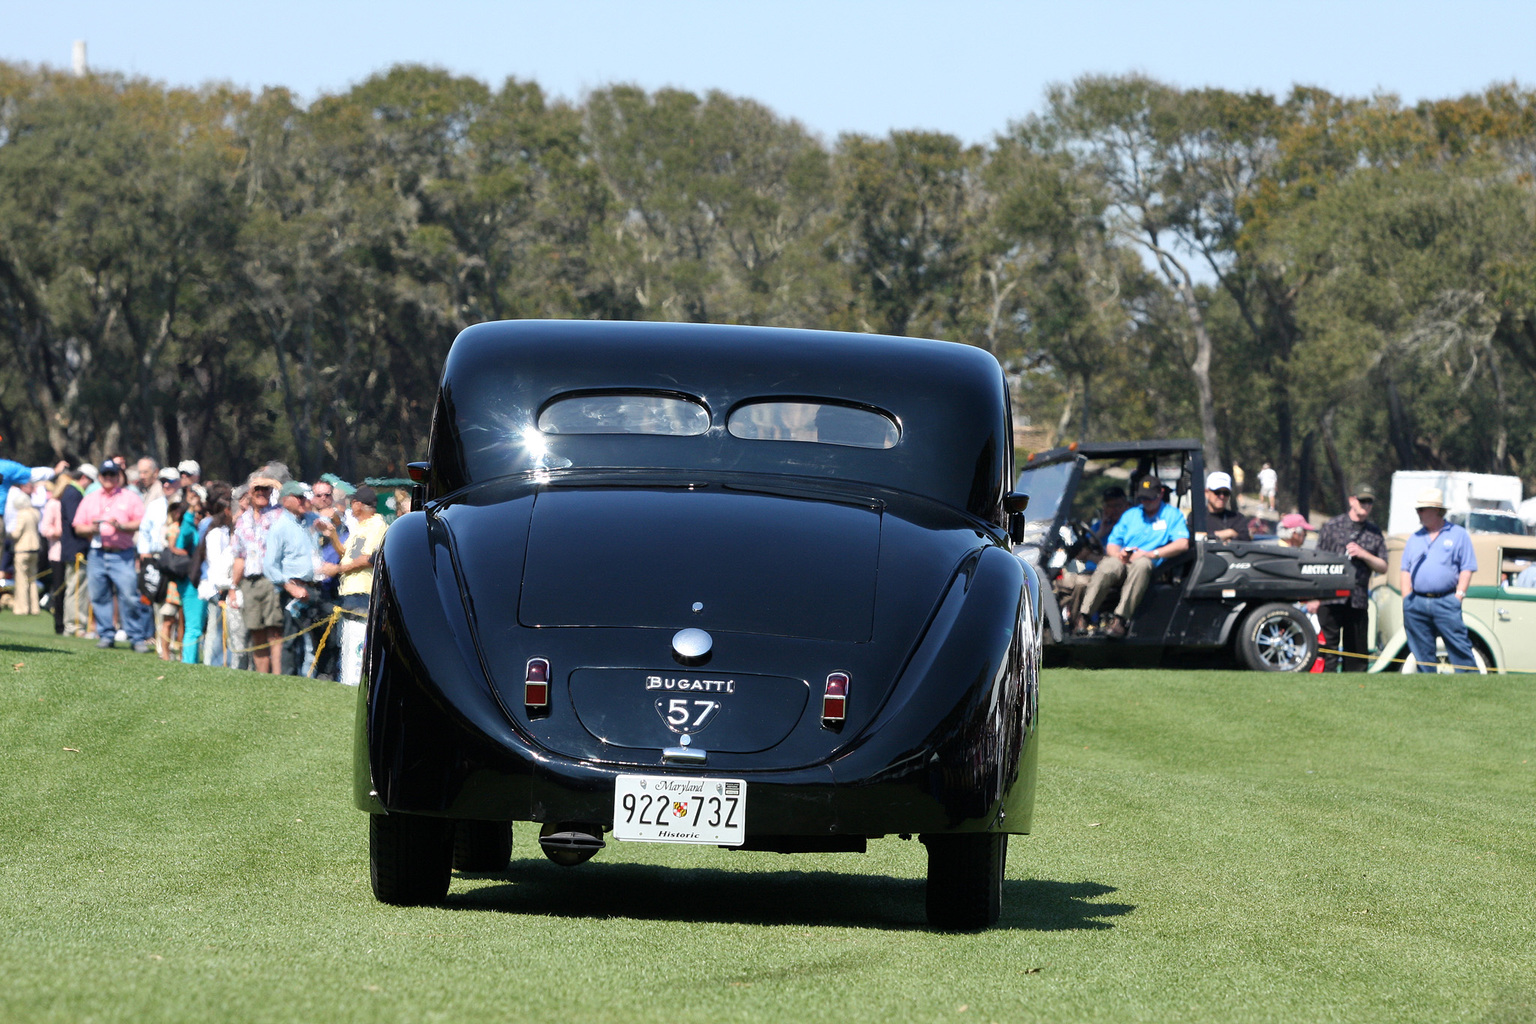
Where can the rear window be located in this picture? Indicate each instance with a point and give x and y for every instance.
(625, 413)
(807, 420)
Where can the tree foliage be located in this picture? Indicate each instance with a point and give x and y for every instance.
(1343, 286)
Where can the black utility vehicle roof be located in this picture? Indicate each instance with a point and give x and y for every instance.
(1110, 450)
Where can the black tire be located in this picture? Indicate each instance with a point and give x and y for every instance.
(1277, 638)
(482, 847)
(410, 858)
(965, 879)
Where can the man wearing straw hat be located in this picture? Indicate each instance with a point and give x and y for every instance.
(258, 599)
(1438, 564)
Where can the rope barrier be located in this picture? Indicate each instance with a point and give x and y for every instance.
(327, 622)
(330, 623)
(1400, 661)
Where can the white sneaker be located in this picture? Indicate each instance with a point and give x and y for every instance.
(122, 635)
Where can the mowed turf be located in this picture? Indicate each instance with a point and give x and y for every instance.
(179, 844)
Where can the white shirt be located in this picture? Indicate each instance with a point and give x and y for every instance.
(219, 557)
(151, 536)
(15, 497)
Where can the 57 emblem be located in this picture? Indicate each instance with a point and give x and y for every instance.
(687, 714)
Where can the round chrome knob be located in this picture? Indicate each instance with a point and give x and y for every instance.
(691, 645)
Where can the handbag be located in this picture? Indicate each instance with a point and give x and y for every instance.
(174, 565)
(153, 582)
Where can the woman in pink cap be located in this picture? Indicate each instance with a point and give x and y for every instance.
(1293, 529)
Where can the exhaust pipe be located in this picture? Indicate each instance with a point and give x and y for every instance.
(570, 843)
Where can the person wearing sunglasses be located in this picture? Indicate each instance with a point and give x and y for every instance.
(1222, 520)
(1345, 620)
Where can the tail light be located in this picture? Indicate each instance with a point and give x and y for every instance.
(834, 701)
(536, 684)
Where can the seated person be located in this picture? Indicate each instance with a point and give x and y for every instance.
(1293, 530)
(1072, 583)
(1139, 543)
(1223, 521)
(1527, 577)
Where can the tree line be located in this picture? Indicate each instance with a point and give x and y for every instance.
(1341, 286)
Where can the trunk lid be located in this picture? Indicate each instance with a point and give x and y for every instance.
(792, 588)
(740, 562)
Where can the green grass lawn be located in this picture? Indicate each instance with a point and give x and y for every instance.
(178, 844)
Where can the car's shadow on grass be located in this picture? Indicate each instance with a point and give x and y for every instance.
(769, 898)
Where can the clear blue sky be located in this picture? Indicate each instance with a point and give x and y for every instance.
(835, 65)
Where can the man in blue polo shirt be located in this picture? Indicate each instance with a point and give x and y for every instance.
(1138, 544)
(291, 558)
(1438, 564)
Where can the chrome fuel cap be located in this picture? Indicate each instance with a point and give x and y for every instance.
(691, 646)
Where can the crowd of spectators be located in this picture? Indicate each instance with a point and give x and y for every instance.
(271, 574)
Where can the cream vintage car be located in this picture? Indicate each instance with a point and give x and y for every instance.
(1500, 617)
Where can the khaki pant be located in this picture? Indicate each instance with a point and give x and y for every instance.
(1070, 588)
(261, 603)
(77, 598)
(1111, 575)
(26, 583)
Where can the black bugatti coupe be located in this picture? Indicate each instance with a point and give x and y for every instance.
(748, 587)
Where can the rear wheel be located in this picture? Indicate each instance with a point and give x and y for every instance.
(965, 879)
(1277, 638)
(410, 858)
(482, 847)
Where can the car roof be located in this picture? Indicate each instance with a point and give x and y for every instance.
(950, 399)
(1486, 547)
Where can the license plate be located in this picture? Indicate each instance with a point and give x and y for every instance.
(678, 809)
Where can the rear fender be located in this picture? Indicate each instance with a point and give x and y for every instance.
(952, 749)
(420, 729)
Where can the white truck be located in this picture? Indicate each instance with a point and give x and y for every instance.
(1481, 502)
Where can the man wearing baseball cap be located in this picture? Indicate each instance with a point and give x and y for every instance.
(1438, 563)
(1346, 620)
(110, 517)
(151, 538)
(355, 573)
(1222, 519)
(1139, 543)
(89, 477)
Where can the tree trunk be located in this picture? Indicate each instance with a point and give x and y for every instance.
(1082, 435)
(1304, 475)
(1398, 428)
(1284, 456)
(1500, 427)
(1200, 366)
(1341, 489)
(1066, 419)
